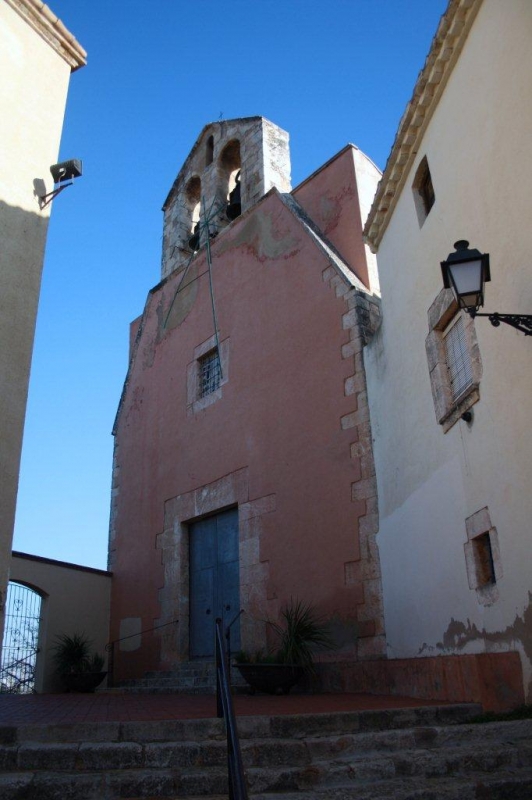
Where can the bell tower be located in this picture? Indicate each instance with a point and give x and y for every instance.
(232, 165)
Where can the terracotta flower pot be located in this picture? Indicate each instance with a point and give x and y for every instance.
(82, 681)
(271, 678)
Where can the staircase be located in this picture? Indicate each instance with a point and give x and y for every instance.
(197, 677)
(185, 678)
(403, 754)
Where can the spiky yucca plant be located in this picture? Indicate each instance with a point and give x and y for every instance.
(72, 655)
(303, 632)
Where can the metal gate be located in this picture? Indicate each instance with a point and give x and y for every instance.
(21, 637)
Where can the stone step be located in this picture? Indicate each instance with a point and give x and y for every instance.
(113, 784)
(186, 668)
(425, 776)
(187, 678)
(504, 785)
(336, 756)
(425, 738)
(371, 768)
(170, 689)
(293, 726)
(389, 746)
(287, 727)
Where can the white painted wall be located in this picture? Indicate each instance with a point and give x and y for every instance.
(478, 148)
(33, 89)
(368, 176)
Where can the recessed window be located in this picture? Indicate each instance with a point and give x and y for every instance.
(230, 166)
(483, 557)
(458, 358)
(423, 190)
(484, 560)
(209, 373)
(454, 361)
(209, 151)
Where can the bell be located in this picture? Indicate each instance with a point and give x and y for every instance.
(194, 240)
(234, 206)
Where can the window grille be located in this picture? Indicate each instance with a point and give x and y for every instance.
(458, 358)
(209, 373)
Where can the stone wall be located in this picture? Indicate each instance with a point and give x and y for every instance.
(255, 147)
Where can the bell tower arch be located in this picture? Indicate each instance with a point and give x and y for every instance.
(231, 166)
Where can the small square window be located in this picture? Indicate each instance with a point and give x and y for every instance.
(484, 560)
(458, 358)
(423, 190)
(483, 557)
(210, 373)
(207, 373)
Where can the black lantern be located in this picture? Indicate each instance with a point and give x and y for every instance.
(465, 272)
(65, 171)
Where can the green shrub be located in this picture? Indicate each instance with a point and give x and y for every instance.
(72, 655)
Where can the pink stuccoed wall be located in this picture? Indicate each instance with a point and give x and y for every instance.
(331, 199)
(280, 442)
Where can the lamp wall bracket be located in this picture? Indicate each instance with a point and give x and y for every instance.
(523, 322)
(47, 198)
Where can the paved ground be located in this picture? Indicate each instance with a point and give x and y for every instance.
(115, 707)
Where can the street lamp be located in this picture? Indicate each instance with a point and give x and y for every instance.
(465, 272)
(65, 171)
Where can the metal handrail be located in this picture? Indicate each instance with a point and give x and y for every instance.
(110, 648)
(224, 708)
(228, 639)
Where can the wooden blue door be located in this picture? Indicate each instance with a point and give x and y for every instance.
(214, 581)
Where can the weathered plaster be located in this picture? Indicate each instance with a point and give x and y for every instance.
(517, 635)
(259, 233)
(182, 298)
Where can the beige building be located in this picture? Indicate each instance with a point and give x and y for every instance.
(73, 600)
(37, 55)
(454, 491)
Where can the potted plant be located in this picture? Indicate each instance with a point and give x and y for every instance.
(80, 669)
(300, 633)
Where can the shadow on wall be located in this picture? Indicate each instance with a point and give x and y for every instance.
(23, 238)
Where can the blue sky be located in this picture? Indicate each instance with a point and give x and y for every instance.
(327, 72)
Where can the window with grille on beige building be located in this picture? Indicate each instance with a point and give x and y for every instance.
(454, 360)
(458, 358)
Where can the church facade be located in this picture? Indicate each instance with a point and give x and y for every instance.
(243, 469)
(285, 434)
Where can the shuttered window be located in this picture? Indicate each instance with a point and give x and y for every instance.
(458, 358)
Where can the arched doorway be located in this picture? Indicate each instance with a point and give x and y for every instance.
(21, 639)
